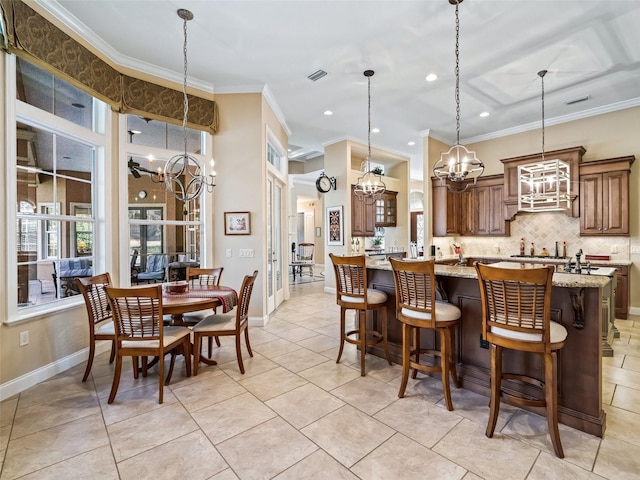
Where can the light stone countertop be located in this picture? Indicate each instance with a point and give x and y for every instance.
(539, 259)
(559, 279)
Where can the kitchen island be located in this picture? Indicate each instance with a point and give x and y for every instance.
(576, 303)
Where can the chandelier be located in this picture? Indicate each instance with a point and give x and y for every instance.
(545, 185)
(459, 163)
(183, 176)
(370, 186)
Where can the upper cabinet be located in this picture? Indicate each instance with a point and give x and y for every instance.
(387, 209)
(362, 217)
(604, 196)
(477, 211)
(572, 156)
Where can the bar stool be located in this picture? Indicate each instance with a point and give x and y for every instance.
(516, 315)
(352, 294)
(417, 308)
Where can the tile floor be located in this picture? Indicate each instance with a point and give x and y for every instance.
(297, 414)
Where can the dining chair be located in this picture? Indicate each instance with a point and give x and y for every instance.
(98, 313)
(137, 314)
(155, 269)
(352, 294)
(230, 324)
(516, 315)
(203, 277)
(305, 258)
(417, 309)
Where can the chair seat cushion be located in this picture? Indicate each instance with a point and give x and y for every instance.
(216, 323)
(195, 317)
(373, 297)
(445, 312)
(170, 335)
(558, 334)
(106, 328)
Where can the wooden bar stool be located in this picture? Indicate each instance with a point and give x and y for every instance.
(516, 315)
(417, 308)
(352, 294)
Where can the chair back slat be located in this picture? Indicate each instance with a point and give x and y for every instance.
(244, 297)
(137, 312)
(351, 277)
(305, 252)
(518, 300)
(95, 297)
(204, 276)
(415, 286)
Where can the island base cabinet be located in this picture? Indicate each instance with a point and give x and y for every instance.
(579, 362)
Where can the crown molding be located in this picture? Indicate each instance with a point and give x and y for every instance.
(271, 100)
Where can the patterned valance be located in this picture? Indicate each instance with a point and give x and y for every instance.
(29, 35)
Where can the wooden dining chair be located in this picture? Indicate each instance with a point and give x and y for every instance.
(230, 324)
(352, 294)
(98, 313)
(137, 314)
(417, 308)
(203, 277)
(516, 315)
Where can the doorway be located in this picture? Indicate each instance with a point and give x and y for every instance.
(275, 243)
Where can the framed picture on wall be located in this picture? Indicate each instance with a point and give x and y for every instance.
(237, 223)
(335, 226)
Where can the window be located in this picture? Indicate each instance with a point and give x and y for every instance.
(57, 146)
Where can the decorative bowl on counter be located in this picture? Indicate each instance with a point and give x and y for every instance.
(180, 286)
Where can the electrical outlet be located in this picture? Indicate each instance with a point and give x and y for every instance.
(24, 338)
(483, 343)
(246, 253)
(635, 249)
(229, 253)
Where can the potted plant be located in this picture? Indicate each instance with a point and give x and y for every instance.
(377, 171)
(377, 243)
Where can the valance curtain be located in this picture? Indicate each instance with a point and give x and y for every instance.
(27, 34)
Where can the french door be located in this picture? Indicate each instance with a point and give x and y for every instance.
(274, 241)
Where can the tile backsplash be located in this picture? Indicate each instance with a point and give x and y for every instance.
(544, 230)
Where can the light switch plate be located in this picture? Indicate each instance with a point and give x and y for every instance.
(635, 249)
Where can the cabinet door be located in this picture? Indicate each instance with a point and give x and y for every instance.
(445, 210)
(615, 203)
(481, 211)
(497, 223)
(622, 296)
(386, 210)
(362, 217)
(468, 212)
(591, 204)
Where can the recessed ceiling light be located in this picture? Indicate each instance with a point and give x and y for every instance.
(77, 105)
(375, 130)
(431, 77)
(328, 112)
(411, 144)
(288, 149)
(485, 114)
(66, 157)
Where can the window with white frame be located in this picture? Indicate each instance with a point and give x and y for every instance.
(57, 141)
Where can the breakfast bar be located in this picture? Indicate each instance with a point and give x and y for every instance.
(577, 303)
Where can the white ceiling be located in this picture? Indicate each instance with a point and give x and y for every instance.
(590, 47)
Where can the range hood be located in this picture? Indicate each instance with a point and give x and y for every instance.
(544, 186)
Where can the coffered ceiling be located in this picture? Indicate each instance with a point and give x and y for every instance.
(591, 48)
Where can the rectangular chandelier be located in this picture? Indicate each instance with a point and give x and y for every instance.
(544, 186)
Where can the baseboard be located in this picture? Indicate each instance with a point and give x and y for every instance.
(258, 321)
(634, 310)
(28, 380)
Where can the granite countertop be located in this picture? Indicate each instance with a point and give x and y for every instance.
(538, 259)
(559, 279)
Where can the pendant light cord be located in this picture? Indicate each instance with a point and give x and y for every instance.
(457, 72)
(542, 73)
(369, 122)
(185, 100)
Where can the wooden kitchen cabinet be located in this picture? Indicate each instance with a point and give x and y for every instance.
(477, 211)
(604, 196)
(362, 217)
(386, 210)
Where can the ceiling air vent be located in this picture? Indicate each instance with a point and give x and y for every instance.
(317, 75)
(577, 100)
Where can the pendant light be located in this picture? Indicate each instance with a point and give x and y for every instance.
(370, 186)
(545, 185)
(183, 176)
(459, 163)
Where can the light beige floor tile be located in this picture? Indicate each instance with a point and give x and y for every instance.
(471, 476)
(627, 398)
(632, 362)
(8, 411)
(54, 389)
(378, 367)
(608, 390)
(59, 411)
(252, 366)
(548, 466)
(623, 425)
(4, 439)
(225, 475)
(347, 434)
(297, 334)
(213, 390)
(319, 343)
(266, 450)
(615, 361)
(621, 376)
(127, 382)
(278, 324)
(579, 447)
(231, 417)
(419, 420)
(272, 383)
(350, 354)
(300, 359)
(318, 465)
(133, 402)
(258, 336)
(329, 375)
(367, 394)
(276, 348)
(138, 434)
(617, 460)
(97, 464)
(424, 386)
(191, 456)
(47, 447)
(329, 330)
(400, 457)
(490, 458)
(304, 405)
(475, 407)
